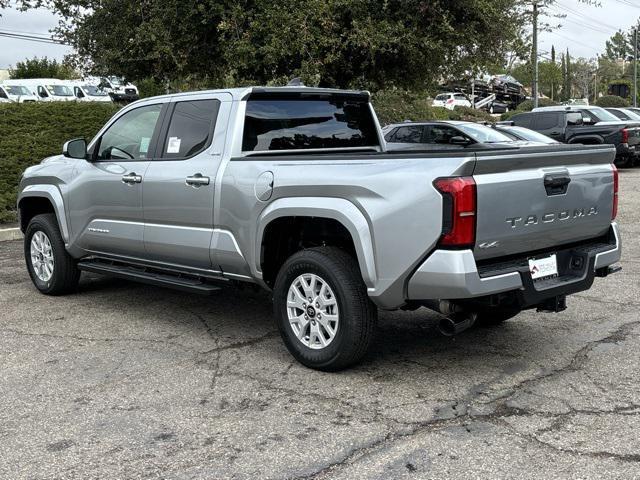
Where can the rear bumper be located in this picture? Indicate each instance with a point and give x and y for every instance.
(454, 274)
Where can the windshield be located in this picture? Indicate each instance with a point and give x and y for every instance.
(631, 114)
(94, 91)
(115, 81)
(60, 90)
(482, 133)
(602, 114)
(530, 135)
(17, 90)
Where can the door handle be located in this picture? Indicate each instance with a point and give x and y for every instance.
(131, 178)
(197, 180)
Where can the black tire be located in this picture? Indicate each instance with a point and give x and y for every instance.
(495, 316)
(357, 314)
(65, 272)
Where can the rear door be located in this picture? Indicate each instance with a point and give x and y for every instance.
(540, 197)
(179, 185)
(550, 124)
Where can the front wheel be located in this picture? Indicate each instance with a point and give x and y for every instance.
(322, 309)
(52, 270)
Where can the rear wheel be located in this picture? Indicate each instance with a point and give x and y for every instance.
(52, 270)
(322, 309)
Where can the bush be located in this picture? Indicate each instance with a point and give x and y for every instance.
(612, 101)
(393, 106)
(527, 106)
(30, 132)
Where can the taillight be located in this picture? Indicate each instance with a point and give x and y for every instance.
(459, 212)
(625, 135)
(450, 100)
(614, 212)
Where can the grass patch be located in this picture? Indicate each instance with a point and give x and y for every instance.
(30, 132)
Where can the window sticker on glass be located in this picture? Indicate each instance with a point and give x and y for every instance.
(173, 146)
(144, 144)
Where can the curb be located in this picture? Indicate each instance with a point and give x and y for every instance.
(7, 234)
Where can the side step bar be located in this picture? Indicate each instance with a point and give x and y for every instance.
(150, 276)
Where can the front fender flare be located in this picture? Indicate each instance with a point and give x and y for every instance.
(337, 209)
(51, 193)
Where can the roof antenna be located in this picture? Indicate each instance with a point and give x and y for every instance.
(295, 82)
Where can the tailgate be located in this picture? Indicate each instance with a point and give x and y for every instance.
(540, 197)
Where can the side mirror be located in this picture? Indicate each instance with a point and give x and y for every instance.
(76, 148)
(459, 140)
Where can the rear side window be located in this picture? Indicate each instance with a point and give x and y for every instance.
(408, 135)
(523, 120)
(293, 124)
(190, 129)
(459, 96)
(545, 121)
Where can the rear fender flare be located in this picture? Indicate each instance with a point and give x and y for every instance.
(592, 139)
(337, 209)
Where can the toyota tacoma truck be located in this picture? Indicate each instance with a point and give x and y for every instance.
(291, 189)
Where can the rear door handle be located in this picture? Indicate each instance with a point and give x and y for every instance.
(197, 180)
(132, 178)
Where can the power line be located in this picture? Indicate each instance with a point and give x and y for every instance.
(31, 38)
(591, 21)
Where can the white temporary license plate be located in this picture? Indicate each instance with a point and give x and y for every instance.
(543, 267)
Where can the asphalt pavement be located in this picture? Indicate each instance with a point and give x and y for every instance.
(123, 380)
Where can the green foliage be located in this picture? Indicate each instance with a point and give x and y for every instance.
(394, 106)
(339, 43)
(33, 131)
(527, 106)
(42, 68)
(612, 101)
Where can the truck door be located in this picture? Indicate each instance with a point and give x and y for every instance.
(105, 197)
(550, 124)
(179, 186)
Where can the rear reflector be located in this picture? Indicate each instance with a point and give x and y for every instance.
(614, 212)
(459, 211)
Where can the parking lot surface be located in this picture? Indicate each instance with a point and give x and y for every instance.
(123, 380)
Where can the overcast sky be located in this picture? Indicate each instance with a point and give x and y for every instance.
(584, 31)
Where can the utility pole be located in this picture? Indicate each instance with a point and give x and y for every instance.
(534, 89)
(635, 66)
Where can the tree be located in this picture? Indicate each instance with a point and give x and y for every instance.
(582, 70)
(42, 68)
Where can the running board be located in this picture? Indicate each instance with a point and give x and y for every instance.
(186, 283)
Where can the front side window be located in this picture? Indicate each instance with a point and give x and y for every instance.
(130, 136)
(293, 124)
(408, 135)
(442, 134)
(18, 90)
(191, 128)
(94, 91)
(42, 92)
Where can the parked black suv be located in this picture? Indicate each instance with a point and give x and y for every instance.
(578, 125)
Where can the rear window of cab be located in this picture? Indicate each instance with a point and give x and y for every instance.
(333, 122)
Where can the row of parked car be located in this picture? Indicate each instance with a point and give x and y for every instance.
(585, 125)
(90, 89)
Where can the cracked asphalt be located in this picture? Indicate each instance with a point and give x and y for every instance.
(123, 380)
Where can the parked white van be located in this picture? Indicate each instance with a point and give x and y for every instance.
(88, 93)
(46, 89)
(119, 89)
(16, 93)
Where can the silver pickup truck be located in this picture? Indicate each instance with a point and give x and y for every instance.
(292, 189)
